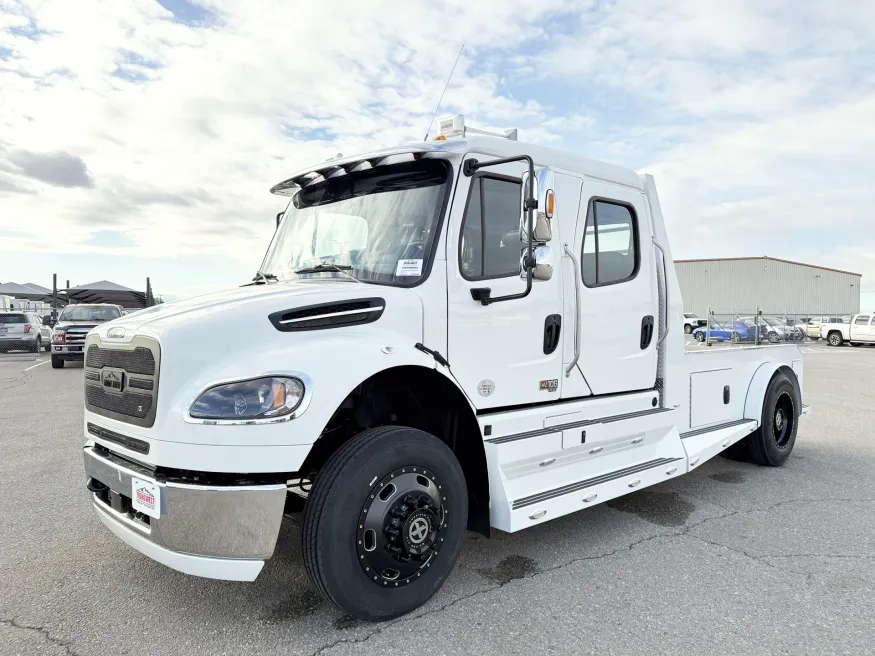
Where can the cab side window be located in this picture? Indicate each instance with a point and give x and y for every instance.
(610, 244)
(862, 320)
(490, 245)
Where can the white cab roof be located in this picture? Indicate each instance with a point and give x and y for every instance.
(455, 148)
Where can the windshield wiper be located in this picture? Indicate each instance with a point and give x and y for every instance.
(338, 268)
(263, 278)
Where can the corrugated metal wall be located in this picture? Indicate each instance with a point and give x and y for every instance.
(775, 287)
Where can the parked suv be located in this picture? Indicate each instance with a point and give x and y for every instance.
(23, 331)
(68, 338)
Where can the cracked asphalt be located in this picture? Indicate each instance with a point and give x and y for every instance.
(732, 559)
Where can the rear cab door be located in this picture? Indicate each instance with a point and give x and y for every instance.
(619, 300)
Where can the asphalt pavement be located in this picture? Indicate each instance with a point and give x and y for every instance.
(731, 559)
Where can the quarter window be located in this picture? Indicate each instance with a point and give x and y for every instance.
(610, 244)
(490, 245)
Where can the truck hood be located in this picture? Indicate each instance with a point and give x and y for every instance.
(254, 301)
(77, 324)
(229, 336)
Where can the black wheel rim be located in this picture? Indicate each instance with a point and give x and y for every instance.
(401, 526)
(782, 420)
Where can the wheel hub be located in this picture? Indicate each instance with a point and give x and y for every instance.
(400, 526)
(779, 419)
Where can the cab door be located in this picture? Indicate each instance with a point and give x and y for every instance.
(506, 353)
(619, 301)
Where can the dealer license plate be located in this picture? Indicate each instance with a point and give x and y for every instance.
(146, 497)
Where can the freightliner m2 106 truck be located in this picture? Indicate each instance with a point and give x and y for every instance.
(466, 333)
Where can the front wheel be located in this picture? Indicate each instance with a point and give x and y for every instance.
(385, 522)
(700, 337)
(773, 338)
(835, 339)
(688, 329)
(57, 363)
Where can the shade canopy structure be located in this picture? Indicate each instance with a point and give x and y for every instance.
(105, 291)
(28, 292)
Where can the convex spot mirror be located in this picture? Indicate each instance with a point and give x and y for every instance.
(544, 184)
(543, 269)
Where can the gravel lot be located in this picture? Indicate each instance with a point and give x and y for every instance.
(731, 559)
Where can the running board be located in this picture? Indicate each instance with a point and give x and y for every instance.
(589, 482)
(703, 444)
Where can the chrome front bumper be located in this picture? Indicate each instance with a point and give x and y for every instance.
(221, 532)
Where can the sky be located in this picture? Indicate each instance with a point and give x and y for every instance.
(140, 137)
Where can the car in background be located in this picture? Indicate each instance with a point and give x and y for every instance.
(777, 330)
(809, 326)
(23, 331)
(861, 330)
(691, 322)
(738, 330)
(74, 323)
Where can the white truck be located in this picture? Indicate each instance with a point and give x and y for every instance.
(463, 333)
(861, 330)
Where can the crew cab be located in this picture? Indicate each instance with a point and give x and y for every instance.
(861, 330)
(74, 323)
(467, 333)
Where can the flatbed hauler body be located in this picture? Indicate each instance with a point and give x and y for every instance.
(469, 333)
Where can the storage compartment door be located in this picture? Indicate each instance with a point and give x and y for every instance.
(710, 403)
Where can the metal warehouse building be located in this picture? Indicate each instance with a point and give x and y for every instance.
(777, 287)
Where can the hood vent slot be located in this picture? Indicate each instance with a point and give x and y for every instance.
(328, 315)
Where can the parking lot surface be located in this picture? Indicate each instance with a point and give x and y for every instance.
(731, 559)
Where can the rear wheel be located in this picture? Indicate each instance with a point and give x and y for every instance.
(57, 363)
(37, 345)
(835, 338)
(773, 442)
(384, 522)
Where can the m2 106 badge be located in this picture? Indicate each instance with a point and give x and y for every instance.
(549, 385)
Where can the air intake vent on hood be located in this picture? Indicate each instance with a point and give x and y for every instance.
(328, 315)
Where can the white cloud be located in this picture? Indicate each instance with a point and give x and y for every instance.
(748, 113)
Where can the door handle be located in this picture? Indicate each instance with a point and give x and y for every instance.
(646, 331)
(552, 326)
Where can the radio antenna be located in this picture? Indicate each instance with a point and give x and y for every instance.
(441, 99)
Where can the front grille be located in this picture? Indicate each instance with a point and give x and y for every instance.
(131, 443)
(128, 404)
(138, 361)
(76, 336)
(141, 383)
(121, 380)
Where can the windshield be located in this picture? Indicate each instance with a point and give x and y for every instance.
(382, 222)
(90, 313)
(773, 322)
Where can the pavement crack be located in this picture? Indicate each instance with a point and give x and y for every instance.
(672, 534)
(44, 632)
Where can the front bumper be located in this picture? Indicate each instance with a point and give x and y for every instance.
(69, 352)
(219, 532)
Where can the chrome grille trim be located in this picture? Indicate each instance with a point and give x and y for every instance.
(133, 395)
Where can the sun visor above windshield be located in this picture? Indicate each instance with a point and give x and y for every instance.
(342, 165)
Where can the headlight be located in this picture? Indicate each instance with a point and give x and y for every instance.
(259, 398)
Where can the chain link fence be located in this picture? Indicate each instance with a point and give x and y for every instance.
(759, 326)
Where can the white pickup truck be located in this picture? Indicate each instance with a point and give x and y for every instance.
(861, 330)
(464, 333)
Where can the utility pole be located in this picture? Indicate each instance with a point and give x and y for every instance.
(54, 298)
(148, 293)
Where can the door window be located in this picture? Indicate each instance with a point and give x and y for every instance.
(490, 245)
(610, 244)
(862, 321)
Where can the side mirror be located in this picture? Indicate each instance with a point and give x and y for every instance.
(543, 269)
(279, 218)
(544, 183)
